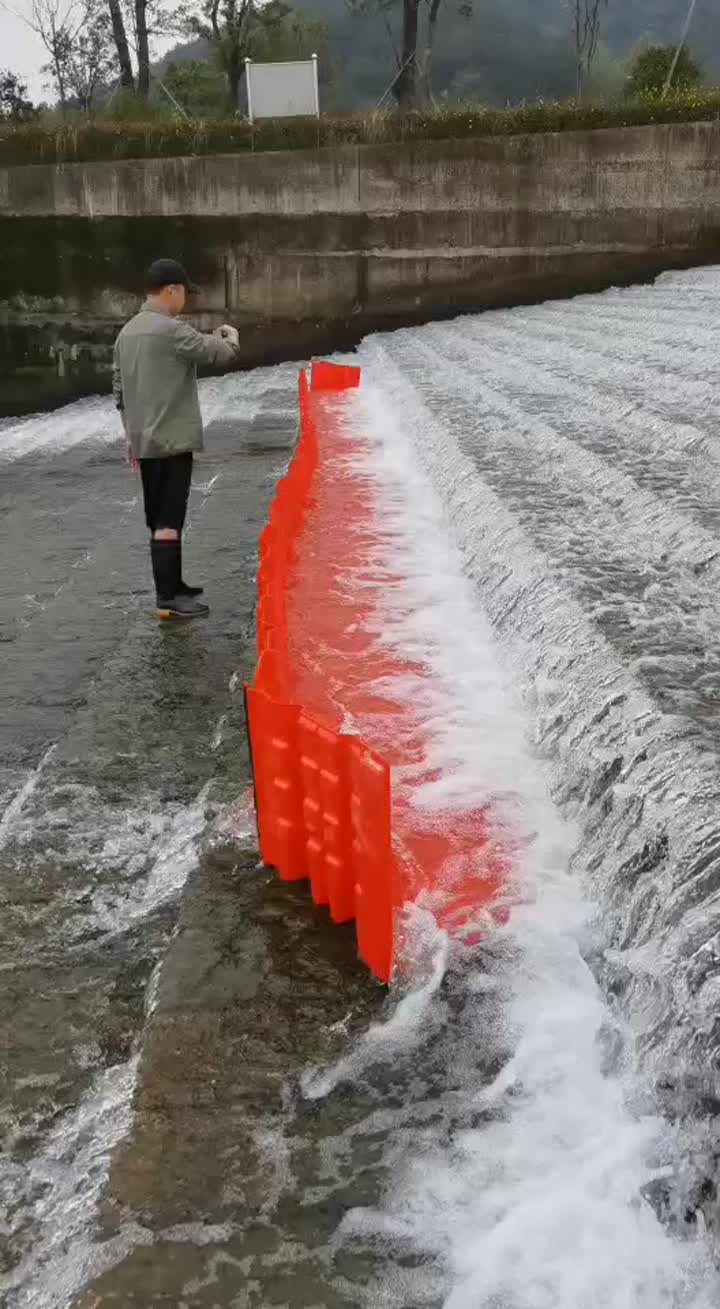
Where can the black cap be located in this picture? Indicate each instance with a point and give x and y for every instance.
(167, 272)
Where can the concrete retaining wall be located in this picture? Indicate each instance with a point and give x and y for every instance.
(309, 250)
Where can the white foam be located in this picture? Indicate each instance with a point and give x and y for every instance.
(61, 1185)
(404, 1027)
(67, 1178)
(543, 1207)
(87, 420)
(96, 419)
(12, 812)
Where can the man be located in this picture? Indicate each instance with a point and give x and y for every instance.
(155, 389)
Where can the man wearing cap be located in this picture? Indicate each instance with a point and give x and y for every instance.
(155, 389)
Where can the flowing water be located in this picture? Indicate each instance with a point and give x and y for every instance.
(207, 1101)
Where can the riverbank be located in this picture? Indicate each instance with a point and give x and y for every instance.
(80, 139)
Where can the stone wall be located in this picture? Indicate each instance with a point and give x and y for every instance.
(309, 250)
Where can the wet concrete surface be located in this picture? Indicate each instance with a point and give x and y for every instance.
(123, 763)
(220, 1167)
(185, 1120)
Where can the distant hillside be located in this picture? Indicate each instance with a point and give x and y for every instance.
(509, 50)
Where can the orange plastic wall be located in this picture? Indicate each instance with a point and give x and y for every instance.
(323, 797)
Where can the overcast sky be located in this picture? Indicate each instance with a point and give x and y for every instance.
(23, 53)
(20, 49)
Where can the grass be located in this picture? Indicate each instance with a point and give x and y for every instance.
(82, 140)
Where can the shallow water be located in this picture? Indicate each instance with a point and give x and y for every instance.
(209, 1102)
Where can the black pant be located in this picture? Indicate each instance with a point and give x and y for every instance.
(166, 487)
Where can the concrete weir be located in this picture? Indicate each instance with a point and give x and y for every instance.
(311, 250)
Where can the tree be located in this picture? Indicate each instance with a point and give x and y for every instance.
(89, 57)
(117, 19)
(607, 75)
(77, 37)
(15, 107)
(197, 87)
(651, 67)
(586, 19)
(143, 48)
(284, 33)
(405, 88)
(143, 19)
(419, 28)
(237, 30)
(225, 25)
(57, 23)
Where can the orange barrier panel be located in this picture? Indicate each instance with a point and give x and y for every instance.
(333, 377)
(323, 805)
(323, 797)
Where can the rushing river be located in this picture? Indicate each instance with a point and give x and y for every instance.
(207, 1101)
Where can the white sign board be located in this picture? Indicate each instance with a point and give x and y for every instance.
(283, 90)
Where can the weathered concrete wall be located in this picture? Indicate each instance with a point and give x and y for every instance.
(307, 250)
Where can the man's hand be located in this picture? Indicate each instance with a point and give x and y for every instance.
(229, 334)
(130, 459)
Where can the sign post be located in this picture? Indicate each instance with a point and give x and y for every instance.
(317, 86)
(248, 83)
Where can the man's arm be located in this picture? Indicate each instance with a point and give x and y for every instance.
(201, 348)
(120, 406)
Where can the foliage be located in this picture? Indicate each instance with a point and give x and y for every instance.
(175, 136)
(226, 25)
(511, 50)
(287, 33)
(651, 65)
(197, 86)
(78, 38)
(660, 22)
(88, 57)
(15, 105)
(607, 75)
(58, 24)
(236, 30)
(91, 43)
(414, 46)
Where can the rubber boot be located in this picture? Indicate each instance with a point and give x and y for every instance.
(183, 588)
(166, 559)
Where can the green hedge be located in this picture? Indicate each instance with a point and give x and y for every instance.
(82, 140)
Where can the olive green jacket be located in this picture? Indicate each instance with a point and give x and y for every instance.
(155, 382)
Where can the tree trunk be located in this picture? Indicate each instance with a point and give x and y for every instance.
(143, 49)
(233, 72)
(60, 79)
(429, 48)
(406, 84)
(579, 32)
(127, 81)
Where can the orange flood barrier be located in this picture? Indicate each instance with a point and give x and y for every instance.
(323, 793)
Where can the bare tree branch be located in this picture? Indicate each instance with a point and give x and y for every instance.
(77, 37)
(57, 23)
(587, 24)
